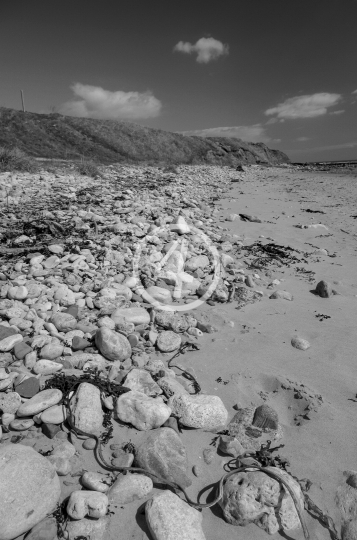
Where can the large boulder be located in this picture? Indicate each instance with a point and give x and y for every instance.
(199, 411)
(86, 407)
(30, 489)
(112, 345)
(255, 497)
(142, 411)
(162, 453)
(170, 518)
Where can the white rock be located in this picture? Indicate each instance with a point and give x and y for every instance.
(130, 487)
(41, 401)
(180, 226)
(87, 408)
(93, 529)
(87, 503)
(95, 481)
(199, 411)
(135, 315)
(9, 343)
(46, 367)
(30, 489)
(170, 518)
(54, 415)
(142, 411)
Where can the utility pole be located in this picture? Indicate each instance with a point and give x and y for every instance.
(22, 100)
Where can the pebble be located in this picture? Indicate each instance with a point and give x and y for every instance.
(168, 341)
(45, 530)
(300, 343)
(199, 411)
(46, 367)
(10, 402)
(130, 487)
(95, 481)
(54, 415)
(140, 380)
(41, 401)
(87, 503)
(93, 529)
(89, 444)
(142, 411)
(21, 424)
(8, 343)
(285, 295)
(112, 345)
(87, 408)
(28, 388)
(324, 289)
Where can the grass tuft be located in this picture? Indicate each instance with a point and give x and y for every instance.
(88, 168)
(14, 159)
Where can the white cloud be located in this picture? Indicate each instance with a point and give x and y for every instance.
(207, 49)
(338, 112)
(354, 92)
(95, 102)
(302, 139)
(254, 133)
(308, 106)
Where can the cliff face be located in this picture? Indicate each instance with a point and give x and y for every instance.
(109, 141)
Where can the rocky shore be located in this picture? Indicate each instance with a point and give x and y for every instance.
(177, 354)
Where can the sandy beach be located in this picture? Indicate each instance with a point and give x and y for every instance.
(249, 360)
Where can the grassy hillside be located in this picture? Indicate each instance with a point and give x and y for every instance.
(109, 141)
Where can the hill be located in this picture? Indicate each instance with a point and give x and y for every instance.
(110, 141)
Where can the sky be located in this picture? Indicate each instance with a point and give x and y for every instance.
(279, 72)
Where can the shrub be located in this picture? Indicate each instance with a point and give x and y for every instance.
(14, 159)
(88, 168)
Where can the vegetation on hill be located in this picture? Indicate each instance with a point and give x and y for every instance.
(108, 141)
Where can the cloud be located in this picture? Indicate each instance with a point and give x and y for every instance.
(352, 144)
(95, 102)
(308, 106)
(207, 49)
(254, 133)
(338, 112)
(354, 92)
(302, 139)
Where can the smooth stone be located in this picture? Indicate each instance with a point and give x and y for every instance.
(51, 262)
(170, 518)
(93, 529)
(300, 343)
(349, 530)
(179, 225)
(30, 489)
(130, 487)
(135, 315)
(230, 445)
(17, 293)
(50, 430)
(51, 351)
(6, 331)
(78, 343)
(285, 295)
(65, 450)
(10, 402)
(197, 261)
(324, 289)
(21, 349)
(122, 290)
(95, 481)
(112, 345)
(21, 424)
(142, 411)
(171, 386)
(41, 401)
(45, 530)
(87, 414)
(72, 310)
(57, 249)
(199, 411)
(256, 497)
(28, 388)
(64, 322)
(157, 294)
(140, 380)
(89, 444)
(54, 415)
(162, 453)
(46, 367)
(123, 459)
(87, 503)
(8, 343)
(168, 341)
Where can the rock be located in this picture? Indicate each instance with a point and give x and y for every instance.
(78, 343)
(156, 294)
(179, 225)
(122, 459)
(142, 411)
(88, 528)
(112, 345)
(170, 518)
(285, 295)
(199, 411)
(30, 489)
(64, 450)
(87, 503)
(89, 444)
(198, 261)
(323, 289)
(300, 343)
(17, 293)
(54, 415)
(41, 401)
(265, 418)
(21, 424)
(349, 530)
(62, 465)
(135, 315)
(230, 445)
(130, 487)
(6, 331)
(140, 380)
(51, 351)
(10, 402)
(87, 414)
(46, 367)
(208, 455)
(50, 430)
(168, 341)
(162, 453)
(64, 322)
(21, 349)
(96, 481)
(45, 530)
(255, 497)
(8, 343)
(28, 388)
(171, 386)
